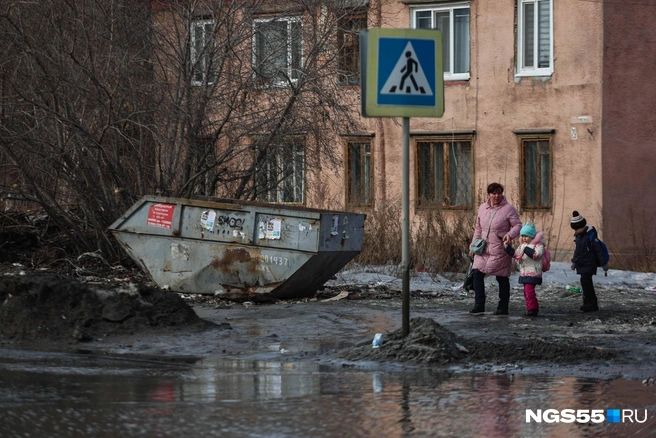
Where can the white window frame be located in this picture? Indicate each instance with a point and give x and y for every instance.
(205, 53)
(533, 70)
(290, 61)
(448, 75)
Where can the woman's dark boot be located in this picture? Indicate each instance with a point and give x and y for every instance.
(479, 292)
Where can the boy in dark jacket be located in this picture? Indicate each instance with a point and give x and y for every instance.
(588, 254)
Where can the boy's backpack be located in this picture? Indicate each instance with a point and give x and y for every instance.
(546, 260)
(604, 248)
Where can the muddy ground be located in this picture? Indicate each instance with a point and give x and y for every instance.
(85, 305)
(116, 311)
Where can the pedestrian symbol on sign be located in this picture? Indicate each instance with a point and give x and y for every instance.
(407, 76)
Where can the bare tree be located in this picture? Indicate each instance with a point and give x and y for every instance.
(253, 80)
(76, 120)
(103, 101)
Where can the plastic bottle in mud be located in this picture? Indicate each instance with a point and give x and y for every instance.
(573, 288)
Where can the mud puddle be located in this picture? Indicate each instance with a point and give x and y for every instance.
(55, 394)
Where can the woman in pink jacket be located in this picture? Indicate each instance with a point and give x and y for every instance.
(503, 223)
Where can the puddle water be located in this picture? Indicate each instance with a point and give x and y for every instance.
(59, 395)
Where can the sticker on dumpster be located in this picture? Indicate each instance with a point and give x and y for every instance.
(273, 229)
(335, 225)
(160, 215)
(207, 220)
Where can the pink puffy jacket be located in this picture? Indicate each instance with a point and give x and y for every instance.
(506, 221)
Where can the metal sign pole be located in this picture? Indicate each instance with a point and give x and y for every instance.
(405, 233)
(389, 57)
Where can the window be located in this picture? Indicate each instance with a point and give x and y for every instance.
(202, 52)
(281, 175)
(534, 38)
(277, 50)
(348, 42)
(359, 178)
(453, 22)
(536, 171)
(444, 168)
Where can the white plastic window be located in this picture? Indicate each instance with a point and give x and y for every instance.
(453, 21)
(535, 38)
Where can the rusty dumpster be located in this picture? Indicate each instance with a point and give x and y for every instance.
(218, 246)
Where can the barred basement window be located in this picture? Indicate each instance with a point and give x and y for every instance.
(359, 178)
(536, 171)
(281, 175)
(444, 172)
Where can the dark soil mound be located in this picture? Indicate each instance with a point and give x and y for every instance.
(428, 342)
(536, 350)
(52, 307)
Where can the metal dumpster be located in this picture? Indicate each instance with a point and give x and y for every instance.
(217, 246)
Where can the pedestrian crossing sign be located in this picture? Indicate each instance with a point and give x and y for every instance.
(401, 73)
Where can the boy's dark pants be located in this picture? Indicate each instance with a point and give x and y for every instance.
(479, 291)
(589, 295)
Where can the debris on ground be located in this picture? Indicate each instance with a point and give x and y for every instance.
(339, 296)
(86, 298)
(47, 307)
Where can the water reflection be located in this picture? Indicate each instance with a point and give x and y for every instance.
(85, 396)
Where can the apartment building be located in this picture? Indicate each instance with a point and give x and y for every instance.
(553, 99)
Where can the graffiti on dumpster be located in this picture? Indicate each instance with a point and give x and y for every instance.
(231, 222)
(304, 226)
(160, 215)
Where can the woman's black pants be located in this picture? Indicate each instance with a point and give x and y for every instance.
(479, 290)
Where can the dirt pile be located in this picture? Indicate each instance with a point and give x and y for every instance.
(46, 307)
(428, 342)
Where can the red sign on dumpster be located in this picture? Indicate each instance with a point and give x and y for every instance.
(161, 215)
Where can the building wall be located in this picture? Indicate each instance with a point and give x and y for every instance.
(629, 130)
(494, 103)
(601, 90)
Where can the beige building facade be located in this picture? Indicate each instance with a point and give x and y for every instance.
(553, 99)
